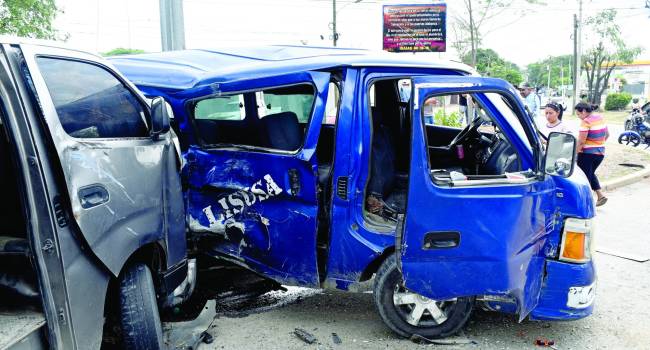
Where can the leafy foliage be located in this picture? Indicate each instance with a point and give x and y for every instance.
(452, 119)
(122, 51)
(610, 50)
(489, 63)
(28, 18)
(617, 101)
(560, 71)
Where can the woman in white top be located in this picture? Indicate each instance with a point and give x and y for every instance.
(553, 112)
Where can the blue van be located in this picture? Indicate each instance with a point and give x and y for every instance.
(314, 167)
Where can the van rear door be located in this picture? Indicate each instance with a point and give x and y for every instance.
(479, 239)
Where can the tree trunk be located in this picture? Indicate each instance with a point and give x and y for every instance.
(471, 32)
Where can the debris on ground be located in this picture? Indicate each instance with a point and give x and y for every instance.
(543, 342)
(416, 338)
(304, 335)
(207, 338)
(336, 339)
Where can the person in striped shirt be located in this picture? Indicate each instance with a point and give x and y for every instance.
(591, 145)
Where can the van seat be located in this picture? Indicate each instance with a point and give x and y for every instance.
(17, 274)
(13, 245)
(282, 131)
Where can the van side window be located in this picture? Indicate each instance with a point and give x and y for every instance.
(274, 119)
(298, 101)
(221, 108)
(332, 106)
(465, 139)
(90, 101)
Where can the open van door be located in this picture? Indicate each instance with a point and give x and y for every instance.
(121, 173)
(485, 237)
(252, 179)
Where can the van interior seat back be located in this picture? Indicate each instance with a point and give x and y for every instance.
(282, 131)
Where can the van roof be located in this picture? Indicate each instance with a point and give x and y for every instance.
(180, 70)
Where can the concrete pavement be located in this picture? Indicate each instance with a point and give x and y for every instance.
(620, 319)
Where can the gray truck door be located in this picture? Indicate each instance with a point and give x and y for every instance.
(116, 174)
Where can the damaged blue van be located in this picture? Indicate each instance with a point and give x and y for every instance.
(324, 168)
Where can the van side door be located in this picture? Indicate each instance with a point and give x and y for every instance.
(252, 179)
(476, 237)
(123, 184)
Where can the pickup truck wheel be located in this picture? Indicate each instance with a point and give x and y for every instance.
(139, 317)
(408, 313)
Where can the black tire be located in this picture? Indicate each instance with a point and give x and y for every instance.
(139, 317)
(388, 280)
(623, 139)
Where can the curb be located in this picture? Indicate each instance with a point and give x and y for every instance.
(627, 179)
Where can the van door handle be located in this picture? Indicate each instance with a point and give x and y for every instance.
(441, 240)
(92, 196)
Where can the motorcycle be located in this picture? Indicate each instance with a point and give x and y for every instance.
(638, 131)
(643, 111)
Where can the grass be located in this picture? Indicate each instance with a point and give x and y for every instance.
(611, 117)
(615, 155)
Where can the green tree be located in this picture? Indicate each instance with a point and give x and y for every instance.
(489, 63)
(122, 51)
(471, 27)
(559, 67)
(609, 51)
(28, 18)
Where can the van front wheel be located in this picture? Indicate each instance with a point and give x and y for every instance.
(408, 313)
(139, 316)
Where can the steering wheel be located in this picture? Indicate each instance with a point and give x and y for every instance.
(469, 129)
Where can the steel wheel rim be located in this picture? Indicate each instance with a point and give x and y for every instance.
(420, 311)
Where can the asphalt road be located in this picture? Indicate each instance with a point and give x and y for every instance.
(621, 318)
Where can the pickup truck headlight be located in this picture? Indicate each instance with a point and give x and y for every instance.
(577, 240)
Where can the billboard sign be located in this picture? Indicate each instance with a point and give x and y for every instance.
(415, 28)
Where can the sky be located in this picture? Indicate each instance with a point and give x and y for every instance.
(522, 34)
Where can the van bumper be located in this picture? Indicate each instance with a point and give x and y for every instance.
(568, 292)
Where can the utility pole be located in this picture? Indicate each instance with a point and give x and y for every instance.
(471, 33)
(562, 80)
(172, 27)
(577, 53)
(334, 35)
(548, 84)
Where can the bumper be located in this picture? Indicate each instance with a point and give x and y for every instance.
(568, 292)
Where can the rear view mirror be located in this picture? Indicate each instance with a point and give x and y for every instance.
(560, 154)
(159, 117)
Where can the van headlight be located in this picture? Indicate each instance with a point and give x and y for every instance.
(577, 240)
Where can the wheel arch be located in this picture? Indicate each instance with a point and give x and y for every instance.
(374, 265)
(151, 254)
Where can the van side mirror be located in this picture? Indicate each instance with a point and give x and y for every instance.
(560, 154)
(159, 117)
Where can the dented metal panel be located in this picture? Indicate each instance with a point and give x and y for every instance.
(501, 247)
(263, 205)
(124, 192)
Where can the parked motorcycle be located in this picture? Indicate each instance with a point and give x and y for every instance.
(638, 131)
(644, 111)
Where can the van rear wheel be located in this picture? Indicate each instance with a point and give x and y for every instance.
(139, 316)
(408, 313)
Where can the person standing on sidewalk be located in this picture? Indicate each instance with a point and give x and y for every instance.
(591, 145)
(530, 98)
(553, 112)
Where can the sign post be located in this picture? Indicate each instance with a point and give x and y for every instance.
(415, 28)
